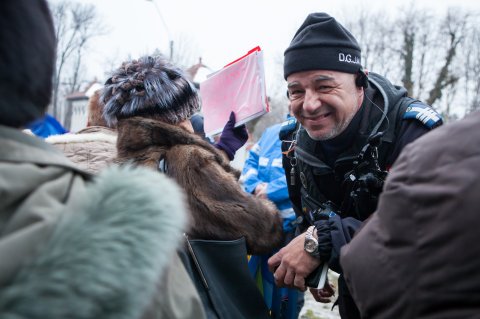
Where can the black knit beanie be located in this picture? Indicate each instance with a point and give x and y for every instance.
(321, 43)
(27, 61)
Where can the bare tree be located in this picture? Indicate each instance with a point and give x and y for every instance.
(374, 34)
(424, 43)
(185, 51)
(407, 57)
(470, 55)
(411, 47)
(75, 25)
(421, 50)
(454, 25)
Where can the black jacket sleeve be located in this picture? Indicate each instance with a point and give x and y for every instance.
(332, 234)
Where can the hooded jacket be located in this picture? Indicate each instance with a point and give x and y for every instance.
(417, 256)
(219, 208)
(71, 247)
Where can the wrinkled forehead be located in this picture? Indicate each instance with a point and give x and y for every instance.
(315, 76)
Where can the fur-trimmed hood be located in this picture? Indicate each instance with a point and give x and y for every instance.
(220, 209)
(88, 134)
(105, 255)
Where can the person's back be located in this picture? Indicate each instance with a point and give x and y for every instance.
(152, 102)
(153, 122)
(72, 246)
(420, 248)
(62, 233)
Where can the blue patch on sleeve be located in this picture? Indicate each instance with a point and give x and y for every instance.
(287, 127)
(424, 113)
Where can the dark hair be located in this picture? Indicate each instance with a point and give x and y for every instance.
(27, 57)
(150, 87)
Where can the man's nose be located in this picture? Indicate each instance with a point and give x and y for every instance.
(311, 103)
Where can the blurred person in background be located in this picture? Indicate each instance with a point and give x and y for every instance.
(46, 126)
(94, 147)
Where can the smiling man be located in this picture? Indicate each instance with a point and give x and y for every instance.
(329, 105)
(351, 127)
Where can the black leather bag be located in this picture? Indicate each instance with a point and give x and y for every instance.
(220, 272)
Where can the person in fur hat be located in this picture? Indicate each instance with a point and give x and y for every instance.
(74, 246)
(94, 147)
(151, 102)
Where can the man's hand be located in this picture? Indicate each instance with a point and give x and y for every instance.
(292, 264)
(261, 190)
(323, 295)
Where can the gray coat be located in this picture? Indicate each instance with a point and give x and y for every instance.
(418, 255)
(73, 248)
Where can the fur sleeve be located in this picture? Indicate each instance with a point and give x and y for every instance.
(105, 257)
(220, 208)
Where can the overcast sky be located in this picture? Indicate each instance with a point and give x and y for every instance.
(220, 31)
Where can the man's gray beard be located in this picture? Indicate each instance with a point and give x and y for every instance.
(337, 130)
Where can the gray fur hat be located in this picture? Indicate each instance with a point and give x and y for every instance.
(150, 87)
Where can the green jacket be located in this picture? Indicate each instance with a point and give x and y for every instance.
(72, 246)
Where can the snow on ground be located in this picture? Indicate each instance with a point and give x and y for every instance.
(316, 310)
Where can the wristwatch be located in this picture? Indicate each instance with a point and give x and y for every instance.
(311, 242)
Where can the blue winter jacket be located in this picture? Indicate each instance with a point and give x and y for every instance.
(264, 165)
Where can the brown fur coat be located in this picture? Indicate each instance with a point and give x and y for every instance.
(220, 209)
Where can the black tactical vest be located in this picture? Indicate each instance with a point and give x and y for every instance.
(352, 186)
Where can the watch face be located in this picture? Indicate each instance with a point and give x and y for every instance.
(311, 245)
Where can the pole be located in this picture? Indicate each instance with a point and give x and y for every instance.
(165, 26)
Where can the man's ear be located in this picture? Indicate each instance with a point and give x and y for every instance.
(361, 79)
(360, 93)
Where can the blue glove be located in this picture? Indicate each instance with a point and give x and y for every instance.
(232, 137)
